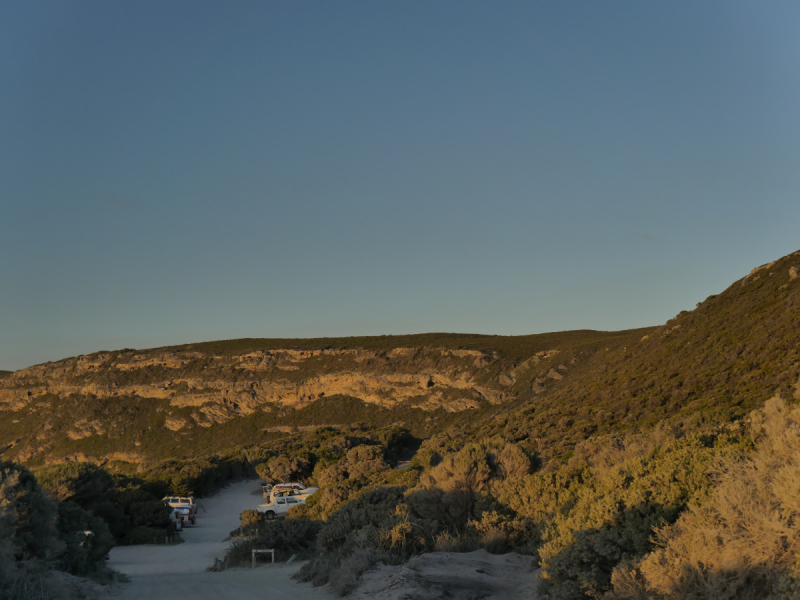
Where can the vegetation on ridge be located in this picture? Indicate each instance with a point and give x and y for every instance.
(629, 463)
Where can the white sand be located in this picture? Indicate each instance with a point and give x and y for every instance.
(179, 572)
(439, 575)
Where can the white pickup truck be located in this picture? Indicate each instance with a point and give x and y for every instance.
(291, 489)
(279, 506)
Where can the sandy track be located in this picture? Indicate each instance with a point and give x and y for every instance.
(178, 572)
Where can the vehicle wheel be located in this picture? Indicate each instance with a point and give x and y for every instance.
(270, 515)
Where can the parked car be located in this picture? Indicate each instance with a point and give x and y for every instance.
(175, 517)
(187, 515)
(279, 506)
(179, 501)
(290, 489)
(266, 488)
(185, 508)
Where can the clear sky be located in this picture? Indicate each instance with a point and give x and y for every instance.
(176, 172)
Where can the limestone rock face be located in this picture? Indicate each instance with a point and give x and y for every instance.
(100, 394)
(506, 380)
(130, 402)
(245, 383)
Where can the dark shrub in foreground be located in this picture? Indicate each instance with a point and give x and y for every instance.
(285, 536)
(84, 553)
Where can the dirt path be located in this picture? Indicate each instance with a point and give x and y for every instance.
(179, 572)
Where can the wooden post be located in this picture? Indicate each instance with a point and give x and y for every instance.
(261, 550)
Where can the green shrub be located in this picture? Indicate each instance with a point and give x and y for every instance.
(27, 515)
(617, 508)
(402, 538)
(330, 498)
(279, 469)
(357, 525)
(285, 536)
(444, 510)
(501, 532)
(86, 538)
(143, 535)
(456, 542)
(249, 522)
(25, 581)
(370, 510)
(37, 533)
(122, 502)
(742, 541)
(250, 518)
(361, 462)
(344, 578)
(78, 482)
(403, 477)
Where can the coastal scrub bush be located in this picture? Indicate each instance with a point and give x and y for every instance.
(369, 511)
(27, 515)
(467, 470)
(283, 468)
(601, 509)
(403, 538)
(501, 532)
(249, 521)
(122, 502)
(361, 462)
(616, 510)
(37, 533)
(21, 576)
(78, 482)
(744, 540)
(354, 527)
(25, 581)
(458, 489)
(286, 536)
(345, 577)
(86, 539)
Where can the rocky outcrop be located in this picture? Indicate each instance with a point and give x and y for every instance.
(220, 388)
(260, 381)
(130, 401)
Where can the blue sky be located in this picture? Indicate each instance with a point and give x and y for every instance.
(176, 172)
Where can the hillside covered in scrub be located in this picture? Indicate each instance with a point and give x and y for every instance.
(547, 391)
(134, 406)
(652, 463)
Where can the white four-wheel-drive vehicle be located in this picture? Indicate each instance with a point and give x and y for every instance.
(179, 501)
(279, 506)
(177, 518)
(290, 489)
(184, 507)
